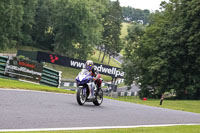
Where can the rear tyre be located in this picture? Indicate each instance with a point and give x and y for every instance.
(80, 96)
(99, 98)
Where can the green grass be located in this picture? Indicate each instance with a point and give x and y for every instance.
(124, 31)
(183, 105)
(67, 72)
(113, 62)
(15, 84)
(95, 56)
(170, 129)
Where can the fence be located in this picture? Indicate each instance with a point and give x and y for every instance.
(49, 77)
(116, 94)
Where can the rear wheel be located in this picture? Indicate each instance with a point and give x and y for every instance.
(99, 98)
(81, 96)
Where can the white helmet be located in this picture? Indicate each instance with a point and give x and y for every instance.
(89, 65)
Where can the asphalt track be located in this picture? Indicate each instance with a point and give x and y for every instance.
(33, 110)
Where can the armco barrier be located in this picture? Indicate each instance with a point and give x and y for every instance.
(3, 60)
(50, 76)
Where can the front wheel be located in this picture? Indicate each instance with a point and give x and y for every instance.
(99, 98)
(81, 96)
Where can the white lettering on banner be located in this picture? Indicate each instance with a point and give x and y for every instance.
(100, 68)
(104, 70)
(73, 63)
(23, 69)
(113, 71)
(77, 64)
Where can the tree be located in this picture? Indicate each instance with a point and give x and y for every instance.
(42, 31)
(112, 29)
(77, 27)
(11, 12)
(29, 12)
(167, 56)
(131, 14)
(130, 65)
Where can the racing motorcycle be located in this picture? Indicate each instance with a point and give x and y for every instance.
(83, 79)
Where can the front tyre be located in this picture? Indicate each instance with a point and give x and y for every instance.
(99, 98)
(80, 96)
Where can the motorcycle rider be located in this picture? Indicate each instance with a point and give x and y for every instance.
(89, 65)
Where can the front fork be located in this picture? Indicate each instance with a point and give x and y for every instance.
(85, 91)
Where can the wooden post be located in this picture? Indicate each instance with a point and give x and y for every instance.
(162, 98)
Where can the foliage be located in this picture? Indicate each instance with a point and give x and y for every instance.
(77, 27)
(29, 12)
(42, 30)
(137, 15)
(112, 29)
(130, 65)
(68, 27)
(11, 12)
(167, 56)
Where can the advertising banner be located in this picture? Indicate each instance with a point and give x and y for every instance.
(78, 64)
(23, 69)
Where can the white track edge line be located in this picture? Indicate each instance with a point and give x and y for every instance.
(89, 128)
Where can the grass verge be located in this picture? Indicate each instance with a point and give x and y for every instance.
(15, 84)
(183, 105)
(170, 129)
(124, 33)
(124, 30)
(112, 62)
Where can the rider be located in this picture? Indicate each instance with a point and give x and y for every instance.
(89, 66)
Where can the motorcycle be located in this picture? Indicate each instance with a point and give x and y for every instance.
(83, 79)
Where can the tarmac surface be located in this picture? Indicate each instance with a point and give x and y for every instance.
(20, 109)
